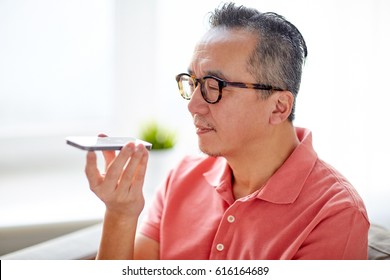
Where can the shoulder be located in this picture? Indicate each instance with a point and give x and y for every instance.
(334, 186)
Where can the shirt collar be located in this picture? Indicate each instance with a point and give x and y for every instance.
(285, 185)
(219, 173)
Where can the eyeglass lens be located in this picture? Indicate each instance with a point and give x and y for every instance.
(209, 88)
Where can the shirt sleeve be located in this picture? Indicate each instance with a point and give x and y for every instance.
(150, 226)
(343, 236)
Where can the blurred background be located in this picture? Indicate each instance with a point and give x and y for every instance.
(81, 67)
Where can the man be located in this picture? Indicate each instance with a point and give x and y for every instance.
(260, 192)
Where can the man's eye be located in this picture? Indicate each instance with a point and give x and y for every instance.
(212, 84)
(213, 88)
(192, 84)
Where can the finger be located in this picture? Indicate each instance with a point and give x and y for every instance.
(91, 170)
(131, 173)
(139, 178)
(115, 169)
(109, 156)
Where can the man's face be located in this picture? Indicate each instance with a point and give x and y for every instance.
(239, 121)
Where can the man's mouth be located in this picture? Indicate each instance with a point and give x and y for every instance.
(203, 130)
(202, 126)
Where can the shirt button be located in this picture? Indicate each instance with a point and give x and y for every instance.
(231, 219)
(220, 247)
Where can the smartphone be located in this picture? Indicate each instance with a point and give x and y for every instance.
(94, 143)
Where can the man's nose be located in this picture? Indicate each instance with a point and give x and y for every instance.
(197, 104)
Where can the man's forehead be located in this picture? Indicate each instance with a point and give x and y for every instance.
(218, 47)
(225, 35)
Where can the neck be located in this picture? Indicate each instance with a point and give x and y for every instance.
(257, 163)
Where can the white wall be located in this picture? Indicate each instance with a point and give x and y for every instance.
(56, 79)
(85, 66)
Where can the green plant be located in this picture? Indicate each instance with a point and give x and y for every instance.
(158, 135)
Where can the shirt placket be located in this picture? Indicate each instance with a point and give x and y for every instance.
(224, 234)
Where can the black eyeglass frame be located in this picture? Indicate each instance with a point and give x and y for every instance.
(221, 84)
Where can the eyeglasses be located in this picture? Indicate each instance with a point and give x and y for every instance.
(211, 87)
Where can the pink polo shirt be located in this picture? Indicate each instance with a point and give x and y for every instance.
(306, 210)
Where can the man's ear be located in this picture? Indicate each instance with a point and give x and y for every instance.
(283, 104)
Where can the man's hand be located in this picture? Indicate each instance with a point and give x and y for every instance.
(120, 188)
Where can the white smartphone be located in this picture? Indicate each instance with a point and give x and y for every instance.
(94, 143)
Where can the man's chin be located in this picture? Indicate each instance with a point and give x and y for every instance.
(210, 152)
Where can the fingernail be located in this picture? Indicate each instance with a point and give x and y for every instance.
(128, 148)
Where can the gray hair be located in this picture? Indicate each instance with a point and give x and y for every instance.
(280, 52)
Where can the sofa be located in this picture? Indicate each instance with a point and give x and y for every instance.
(83, 244)
(378, 243)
